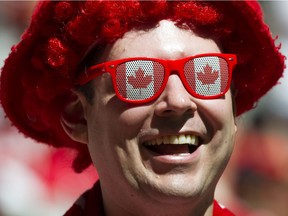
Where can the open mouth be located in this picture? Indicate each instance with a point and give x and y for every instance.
(173, 145)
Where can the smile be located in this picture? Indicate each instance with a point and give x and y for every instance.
(173, 145)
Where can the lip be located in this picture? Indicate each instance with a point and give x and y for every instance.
(179, 159)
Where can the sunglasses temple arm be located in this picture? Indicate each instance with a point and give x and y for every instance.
(90, 74)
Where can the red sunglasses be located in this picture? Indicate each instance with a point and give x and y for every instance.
(140, 79)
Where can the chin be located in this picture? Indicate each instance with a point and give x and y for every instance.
(177, 189)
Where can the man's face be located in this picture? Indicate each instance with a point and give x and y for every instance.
(119, 133)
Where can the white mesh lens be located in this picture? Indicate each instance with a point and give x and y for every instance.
(207, 76)
(139, 79)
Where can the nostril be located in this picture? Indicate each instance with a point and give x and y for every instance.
(168, 111)
(175, 111)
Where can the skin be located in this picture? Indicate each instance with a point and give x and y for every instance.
(133, 181)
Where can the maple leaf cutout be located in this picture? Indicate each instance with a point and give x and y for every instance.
(140, 81)
(208, 76)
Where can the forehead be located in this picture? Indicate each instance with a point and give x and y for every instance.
(166, 41)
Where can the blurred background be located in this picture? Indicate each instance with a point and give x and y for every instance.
(38, 180)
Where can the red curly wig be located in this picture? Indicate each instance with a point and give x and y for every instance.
(42, 68)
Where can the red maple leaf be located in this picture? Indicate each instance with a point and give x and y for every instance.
(140, 80)
(208, 76)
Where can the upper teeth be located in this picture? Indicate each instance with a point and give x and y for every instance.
(180, 139)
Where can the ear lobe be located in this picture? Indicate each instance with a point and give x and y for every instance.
(73, 120)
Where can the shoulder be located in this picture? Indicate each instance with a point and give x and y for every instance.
(89, 203)
(220, 210)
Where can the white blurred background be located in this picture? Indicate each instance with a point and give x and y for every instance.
(38, 180)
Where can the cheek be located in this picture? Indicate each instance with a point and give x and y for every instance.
(218, 113)
(219, 119)
(135, 117)
(113, 118)
(225, 133)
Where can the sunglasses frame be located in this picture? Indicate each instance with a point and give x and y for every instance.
(170, 67)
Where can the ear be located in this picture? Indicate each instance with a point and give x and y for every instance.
(73, 119)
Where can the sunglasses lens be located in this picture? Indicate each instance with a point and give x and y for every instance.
(207, 76)
(138, 80)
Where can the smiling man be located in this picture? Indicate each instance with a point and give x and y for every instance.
(143, 91)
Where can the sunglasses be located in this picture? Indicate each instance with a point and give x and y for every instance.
(141, 80)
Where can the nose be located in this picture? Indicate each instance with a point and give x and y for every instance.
(175, 100)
